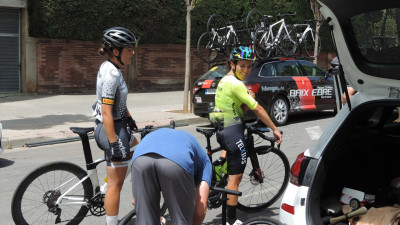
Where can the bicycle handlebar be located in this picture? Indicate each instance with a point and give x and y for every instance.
(227, 191)
(286, 14)
(150, 128)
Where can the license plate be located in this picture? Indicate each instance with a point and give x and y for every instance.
(211, 91)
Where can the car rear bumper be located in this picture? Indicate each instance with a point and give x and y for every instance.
(294, 198)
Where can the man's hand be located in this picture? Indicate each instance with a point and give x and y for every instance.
(115, 153)
(278, 136)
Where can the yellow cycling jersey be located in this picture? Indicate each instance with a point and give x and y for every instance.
(230, 95)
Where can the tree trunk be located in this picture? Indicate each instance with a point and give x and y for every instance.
(317, 15)
(187, 63)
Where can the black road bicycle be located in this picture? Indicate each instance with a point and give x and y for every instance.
(62, 192)
(265, 177)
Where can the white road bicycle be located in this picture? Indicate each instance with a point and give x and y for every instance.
(275, 40)
(62, 192)
(306, 40)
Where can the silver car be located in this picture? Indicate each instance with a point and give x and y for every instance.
(1, 131)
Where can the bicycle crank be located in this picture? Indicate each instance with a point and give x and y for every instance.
(96, 205)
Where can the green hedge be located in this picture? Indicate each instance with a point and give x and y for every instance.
(155, 21)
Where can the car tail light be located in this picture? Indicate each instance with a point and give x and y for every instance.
(295, 171)
(195, 89)
(253, 87)
(283, 59)
(288, 208)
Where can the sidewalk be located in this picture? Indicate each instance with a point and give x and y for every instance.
(34, 118)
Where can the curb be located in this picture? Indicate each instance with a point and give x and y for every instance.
(40, 141)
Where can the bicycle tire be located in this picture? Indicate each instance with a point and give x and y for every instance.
(254, 20)
(275, 169)
(31, 200)
(128, 217)
(262, 220)
(208, 48)
(309, 44)
(217, 23)
(288, 41)
(262, 43)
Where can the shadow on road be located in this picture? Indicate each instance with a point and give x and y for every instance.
(5, 162)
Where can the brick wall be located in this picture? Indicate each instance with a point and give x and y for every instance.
(65, 66)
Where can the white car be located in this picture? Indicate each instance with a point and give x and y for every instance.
(360, 148)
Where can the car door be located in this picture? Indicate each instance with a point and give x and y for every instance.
(322, 86)
(297, 86)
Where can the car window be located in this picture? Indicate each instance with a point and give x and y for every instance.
(311, 69)
(377, 35)
(267, 70)
(216, 71)
(287, 68)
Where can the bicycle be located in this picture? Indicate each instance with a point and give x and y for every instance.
(63, 192)
(307, 38)
(254, 20)
(218, 40)
(266, 40)
(266, 174)
(253, 221)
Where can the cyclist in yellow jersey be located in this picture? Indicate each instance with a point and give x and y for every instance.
(231, 98)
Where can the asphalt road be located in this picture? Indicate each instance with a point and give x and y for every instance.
(15, 164)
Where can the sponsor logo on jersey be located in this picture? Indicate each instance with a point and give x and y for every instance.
(108, 101)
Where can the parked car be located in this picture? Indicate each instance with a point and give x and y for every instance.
(360, 147)
(282, 86)
(205, 87)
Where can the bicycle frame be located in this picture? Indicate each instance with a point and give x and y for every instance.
(92, 175)
(270, 34)
(223, 40)
(304, 34)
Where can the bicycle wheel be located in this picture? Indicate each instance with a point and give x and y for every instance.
(309, 44)
(36, 195)
(262, 220)
(254, 20)
(208, 47)
(274, 167)
(127, 219)
(288, 41)
(217, 23)
(262, 43)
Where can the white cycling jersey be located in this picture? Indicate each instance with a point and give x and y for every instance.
(111, 89)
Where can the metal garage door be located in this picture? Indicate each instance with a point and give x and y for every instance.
(10, 50)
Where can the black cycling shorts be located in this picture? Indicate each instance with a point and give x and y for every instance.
(123, 135)
(232, 140)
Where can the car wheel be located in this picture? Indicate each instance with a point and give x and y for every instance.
(279, 112)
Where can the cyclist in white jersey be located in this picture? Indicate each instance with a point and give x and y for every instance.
(112, 116)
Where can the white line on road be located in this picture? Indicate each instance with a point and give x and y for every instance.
(314, 132)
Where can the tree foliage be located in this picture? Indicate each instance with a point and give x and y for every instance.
(155, 21)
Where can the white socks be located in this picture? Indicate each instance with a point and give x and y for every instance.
(112, 220)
